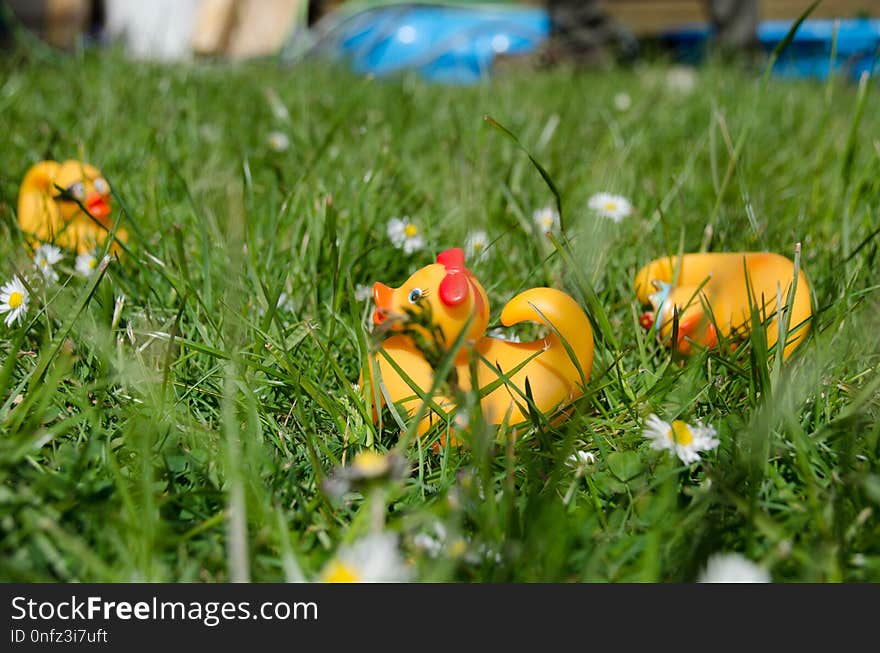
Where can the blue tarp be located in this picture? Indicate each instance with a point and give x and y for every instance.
(451, 44)
(458, 44)
(809, 52)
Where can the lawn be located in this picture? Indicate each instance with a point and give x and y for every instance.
(177, 417)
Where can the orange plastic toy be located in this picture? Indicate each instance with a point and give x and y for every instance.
(451, 294)
(49, 205)
(718, 281)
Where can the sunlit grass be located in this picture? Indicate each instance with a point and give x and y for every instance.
(170, 420)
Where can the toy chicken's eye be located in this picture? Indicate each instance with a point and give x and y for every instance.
(415, 295)
(77, 190)
(101, 186)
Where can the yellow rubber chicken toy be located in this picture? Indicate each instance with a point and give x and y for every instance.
(50, 200)
(717, 281)
(450, 294)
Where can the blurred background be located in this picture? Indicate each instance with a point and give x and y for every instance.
(459, 41)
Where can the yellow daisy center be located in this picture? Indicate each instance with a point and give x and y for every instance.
(15, 299)
(337, 572)
(410, 230)
(93, 263)
(457, 548)
(370, 463)
(478, 245)
(44, 262)
(610, 206)
(680, 433)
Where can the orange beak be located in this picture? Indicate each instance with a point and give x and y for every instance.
(97, 206)
(383, 297)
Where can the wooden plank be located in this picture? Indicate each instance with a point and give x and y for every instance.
(213, 26)
(262, 26)
(644, 17)
(790, 9)
(648, 17)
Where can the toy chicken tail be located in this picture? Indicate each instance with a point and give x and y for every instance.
(569, 343)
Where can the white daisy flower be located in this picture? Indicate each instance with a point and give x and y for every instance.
(413, 244)
(371, 465)
(461, 420)
(363, 292)
(367, 468)
(684, 440)
(476, 244)
(372, 559)
(547, 219)
(396, 231)
(733, 568)
(405, 235)
(45, 258)
(483, 552)
(432, 545)
(285, 303)
(278, 141)
(86, 264)
(614, 207)
(13, 300)
(681, 79)
(582, 458)
(622, 102)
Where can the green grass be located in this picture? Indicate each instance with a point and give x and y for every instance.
(179, 427)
